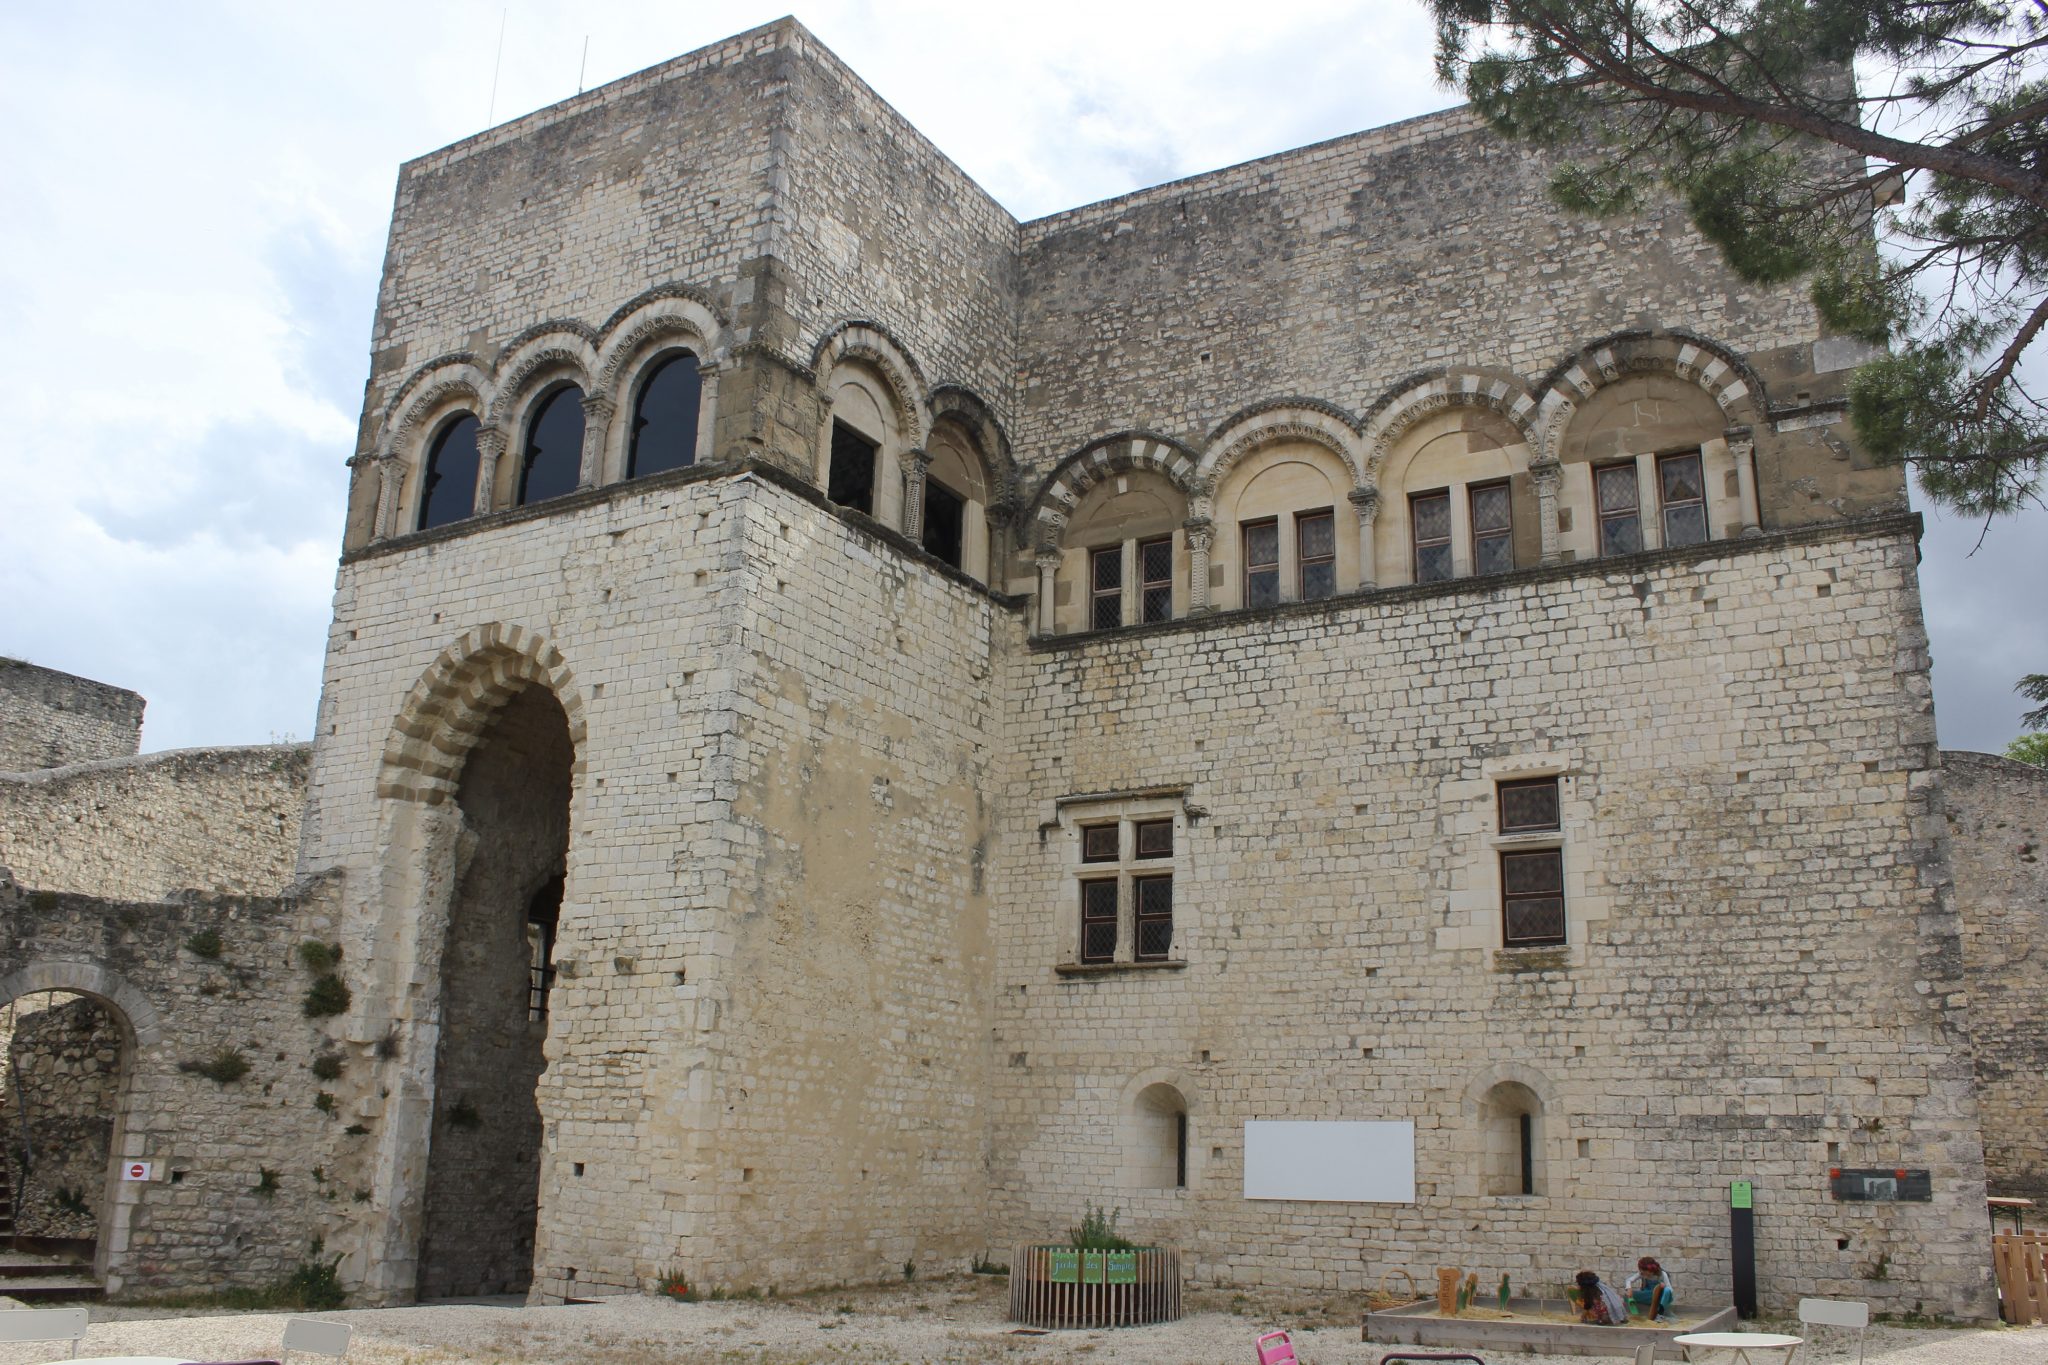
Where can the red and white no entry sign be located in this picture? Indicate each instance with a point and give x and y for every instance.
(135, 1170)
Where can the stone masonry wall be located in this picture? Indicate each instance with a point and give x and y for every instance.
(57, 1100)
(145, 828)
(1998, 846)
(210, 1219)
(1764, 977)
(49, 719)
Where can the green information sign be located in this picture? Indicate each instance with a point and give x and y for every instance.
(1091, 1267)
(1741, 1195)
(1066, 1267)
(1123, 1267)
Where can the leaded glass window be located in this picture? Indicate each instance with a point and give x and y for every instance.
(1620, 502)
(1683, 487)
(1155, 579)
(1262, 563)
(1431, 515)
(1106, 588)
(1315, 536)
(1493, 538)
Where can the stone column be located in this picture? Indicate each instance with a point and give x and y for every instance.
(389, 474)
(597, 425)
(920, 463)
(1548, 477)
(1048, 570)
(1201, 535)
(1649, 503)
(1743, 449)
(490, 446)
(1366, 502)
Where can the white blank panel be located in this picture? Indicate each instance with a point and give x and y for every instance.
(1338, 1162)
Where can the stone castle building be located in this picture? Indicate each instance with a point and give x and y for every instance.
(855, 728)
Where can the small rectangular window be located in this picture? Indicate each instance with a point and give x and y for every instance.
(1683, 488)
(945, 521)
(1154, 899)
(1315, 538)
(1154, 839)
(1621, 528)
(851, 480)
(1430, 514)
(1098, 920)
(1532, 897)
(1493, 533)
(1155, 579)
(1106, 588)
(1098, 844)
(1530, 805)
(1262, 562)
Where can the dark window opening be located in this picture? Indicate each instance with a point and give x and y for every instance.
(1619, 499)
(1154, 900)
(851, 479)
(1532, 898)
(1154, 838)
(1262, 563)
(1315, 535)
(553, 463)
(543, 915)
(1098, 921)
(448, 493)
(1180, 1151)
(1106, 588)
(1430, 514)
(1098, 844)
(1529, 805)
(665, 418)
(1155, 579)
(1493, 540)
(1683, 486)
(945, 522)
(1527, 1128)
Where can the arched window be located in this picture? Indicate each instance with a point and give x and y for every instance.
(1123, 554)
(956, 501)
(448, 489)
(1277, 518)
(665, 417)
(1157, 1157)
(1457, 501)
(1512, 1117)
(553, 462)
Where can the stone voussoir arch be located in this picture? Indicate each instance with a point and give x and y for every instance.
(1310, 420)
(131, 1007)
(1509, 1073)
(963, 405)
(872, 344)
(445, 714)
(1424, 395)
(1102, 458)
(1716, 369)
(456, 377)
(553, 350)
(667, 317)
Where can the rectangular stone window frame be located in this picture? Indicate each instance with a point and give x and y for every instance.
(1154, 570)
(1493, 546)
(1134, 864)
(1261, 586)
(1315, 572)
(1471, 883)
(1670, 532)
(1419, 544)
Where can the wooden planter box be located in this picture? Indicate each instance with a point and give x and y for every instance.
(1058, 1287)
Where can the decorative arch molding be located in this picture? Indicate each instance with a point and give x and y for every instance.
(1431, 392)
(657, 322)
(131, 1007)
(871, 344)
(966, 407)
(694, 299)
(454, 700)
(1117, 453)
(1716, 369)
(555, 352)
(459, 374)
(1286, 419)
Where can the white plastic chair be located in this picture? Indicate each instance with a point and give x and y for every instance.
(316, 1337)
(1837, 1313)
(45, 1324)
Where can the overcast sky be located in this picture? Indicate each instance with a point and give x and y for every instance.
(196, 198)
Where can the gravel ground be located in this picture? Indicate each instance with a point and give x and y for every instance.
(949, 1320)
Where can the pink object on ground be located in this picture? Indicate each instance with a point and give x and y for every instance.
(1276, 1348)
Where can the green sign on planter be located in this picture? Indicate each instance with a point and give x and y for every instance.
(1066, 1266)
(1123, 1267)
(1091, 1267)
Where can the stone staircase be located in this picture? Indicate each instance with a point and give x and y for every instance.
(40, 1271)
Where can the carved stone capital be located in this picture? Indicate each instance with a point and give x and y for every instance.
(1201, 533)
(490, 442)
(598, 408)
(1547, 476)
(1046, 559)
(918, 460)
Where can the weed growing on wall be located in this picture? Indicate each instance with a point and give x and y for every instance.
(327, 996)
(327, 1066)
(206, 943)
(319, 958)
(224, 1067)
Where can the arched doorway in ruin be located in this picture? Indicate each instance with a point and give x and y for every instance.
(481, 1199)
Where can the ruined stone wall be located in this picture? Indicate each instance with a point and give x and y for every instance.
(148, 827)
(1763, 979)
(1340, 271)
(57, 1099)
(49, 719)
(210, 1219)
(1998, 847)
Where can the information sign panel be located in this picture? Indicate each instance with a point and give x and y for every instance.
(1122, 1267)
(1091, 1267)
(1066, 1266)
